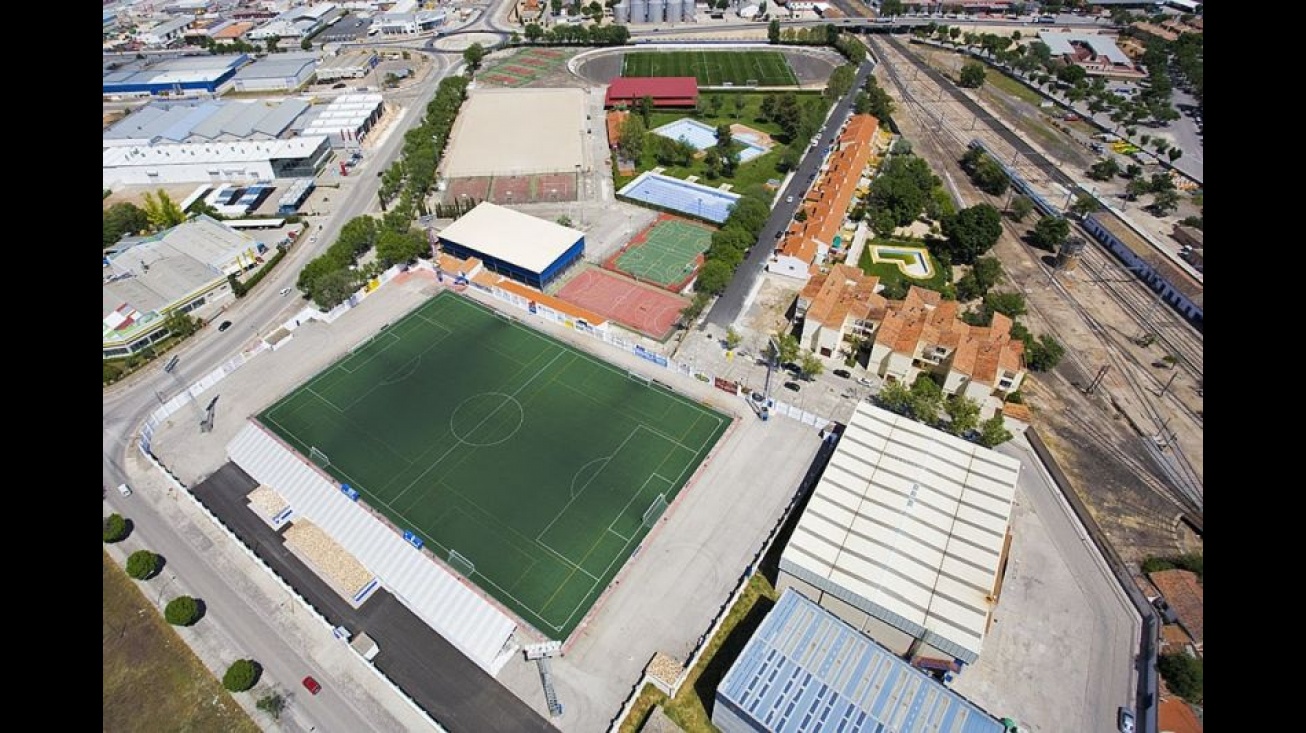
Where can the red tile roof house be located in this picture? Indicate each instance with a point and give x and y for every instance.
(1183, 594)
(666, 91)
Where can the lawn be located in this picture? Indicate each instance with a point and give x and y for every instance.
(691, 707)
(152, 680)
(1012, 87)
(889, 273)
(713, 68)
(749, 177)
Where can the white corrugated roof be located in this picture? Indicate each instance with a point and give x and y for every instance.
(512, 236)
(239, 151)
(476, 627)
(912, 520)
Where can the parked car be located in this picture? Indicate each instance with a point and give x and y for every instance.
(793, 386)
(124, 489)
(224, 326)
(312, 685)
(285, 291)
(789, 199)
(1125, 720)
(341, 85)
(842, 373)
(865, 382)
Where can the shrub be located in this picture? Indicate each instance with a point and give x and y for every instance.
(240, 676)
(115, 528)
(182, 611)
(142, 564)
(1183, 674)
(273, 704)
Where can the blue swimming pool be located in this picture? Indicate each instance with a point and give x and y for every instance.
(703, 136)
(703, 202)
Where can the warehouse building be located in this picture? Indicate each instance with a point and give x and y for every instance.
(210, 120)
(352, 65)
(806, 670)
(298, 22)
(176, 76)
(165, 33)
(513, 244)
(178, 270)
(346, 121)
(282, 72)
(905, 537)
(407, 24)
(233, 162)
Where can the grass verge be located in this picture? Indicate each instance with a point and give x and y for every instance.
(152, 680)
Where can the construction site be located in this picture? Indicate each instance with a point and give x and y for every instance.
(1122, 412)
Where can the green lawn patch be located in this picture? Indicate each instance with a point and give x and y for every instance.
(713, 68)
(152, 680)
(889, 273)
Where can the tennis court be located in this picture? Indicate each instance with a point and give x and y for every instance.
(529, 467)
(714, 68)
(666, 253)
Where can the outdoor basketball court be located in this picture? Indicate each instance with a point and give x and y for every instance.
(643, 308)
(528, 466)
(666, 253)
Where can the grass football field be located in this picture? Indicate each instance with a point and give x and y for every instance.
(713, 68)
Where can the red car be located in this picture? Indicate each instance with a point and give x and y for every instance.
(311, 685)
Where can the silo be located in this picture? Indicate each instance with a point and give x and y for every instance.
(687, 11)
(675, 11)
(638, 11)
(1068, 255)
(656, 10)
(621, 12)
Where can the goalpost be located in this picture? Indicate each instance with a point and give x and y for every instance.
(655, 510)
(318, 457)
(640, 378)
(458, 562)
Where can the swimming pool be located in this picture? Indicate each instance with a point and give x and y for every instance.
(711, 204)
(703, 136)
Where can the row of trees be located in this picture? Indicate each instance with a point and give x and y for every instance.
(925, 402)
(127, 219)
(580, 35)
(731, 243)
(329, 279)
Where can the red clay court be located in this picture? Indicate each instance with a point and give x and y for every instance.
(541, 188)
(648, 310)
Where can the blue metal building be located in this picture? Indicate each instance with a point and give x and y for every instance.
(176, 76)
(806, 670)
(516, 245)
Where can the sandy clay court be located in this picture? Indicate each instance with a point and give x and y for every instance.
(645, 309)
(503, 132)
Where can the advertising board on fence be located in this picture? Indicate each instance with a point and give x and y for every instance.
(726, 385)
(644, 353)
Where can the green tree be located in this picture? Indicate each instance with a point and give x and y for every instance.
(115, 528)
(694, 309)
(534, 32)
(739, 103)
(811, 365)
(306, 45)
(180, 324)
(1021, 207)
(891, 8)
(1175, 154)
(1136, 188)
(182, 611)
(894, 397)
(142, 564)
(1104, 170)
(926, 399)
(564, 220)
(123, 219)
(732, 338)
(788, 347)
(971, 232)
(987, 272)
(161, 211)
(1084, 205)
(241, 675)
(993, 432)
(395, 247)
(716, 102)
(1008, 304)
(963, 414)
(773, 31)
(474, 55)
(273, 704)
(334, 288)
(1165, 202)
(1044, 354)
(713, 277)
(971, 76)
(630, 138)
(645, 109)
(1183, 675)
(841, 80)
(1050, 232)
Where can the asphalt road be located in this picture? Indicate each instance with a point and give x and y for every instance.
(441, 679)
(731, 303)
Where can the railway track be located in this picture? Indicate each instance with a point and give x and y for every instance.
(1171, 474)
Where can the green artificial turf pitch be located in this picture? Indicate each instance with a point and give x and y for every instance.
(713, 68)
(532, 459)
(668, 254)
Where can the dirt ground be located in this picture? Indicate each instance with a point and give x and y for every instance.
(1099, 445)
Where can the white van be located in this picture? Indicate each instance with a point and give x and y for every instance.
(124, 489)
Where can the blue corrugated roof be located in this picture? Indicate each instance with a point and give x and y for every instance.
(806, 670)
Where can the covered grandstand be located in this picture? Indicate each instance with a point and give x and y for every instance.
(682, 197)
(666, 91)
(517, 245)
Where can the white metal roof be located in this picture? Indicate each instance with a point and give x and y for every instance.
(1060, 44)
(240, 151)
(469, 622)
(908, 524)
(512, 236)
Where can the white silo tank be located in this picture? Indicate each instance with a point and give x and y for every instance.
(674, 10)
(687, 11)
(656, 10)
(621, 12)
(638, 11)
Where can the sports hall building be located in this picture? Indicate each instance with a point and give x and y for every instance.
(513, 244)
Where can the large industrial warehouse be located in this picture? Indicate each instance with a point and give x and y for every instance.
(906, 537)
(517, 245)
(234, 162)
(194, 75)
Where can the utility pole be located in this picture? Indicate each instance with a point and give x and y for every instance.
(1098, 379)
(1167, 384)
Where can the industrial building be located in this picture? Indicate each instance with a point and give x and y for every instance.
(234, 162)
(282, 72)
(295, 195)
(530, 250)
(408, 24)
(351, 65)
(176, 76)
(345, 121)
(298, 22)
(653, 11)
(666, 91)
(806, 670)
(164, 33)
(178, 270)
(201, 121)
(905, 537)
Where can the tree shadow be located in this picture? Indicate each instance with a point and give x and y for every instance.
(1049, 260)
(729, 651)
(201, 610)
(160, 563)
(258, 672)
